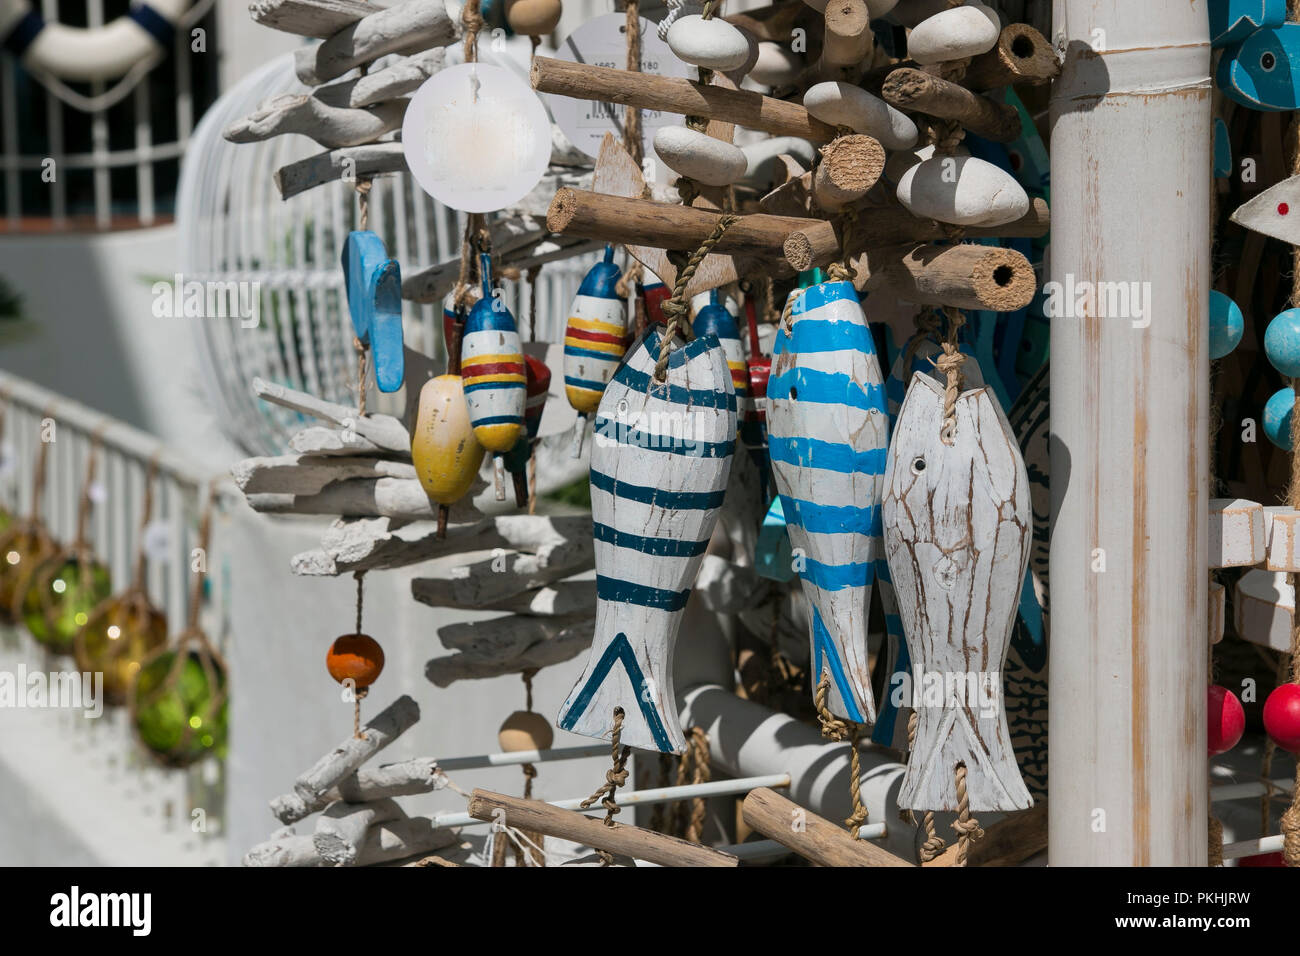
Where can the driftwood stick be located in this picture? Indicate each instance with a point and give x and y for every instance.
(850, 166)
(408, 27)
(1022, 56)
(383, 430)
(966, 276)
(342, 828)
(848, 32)
(538, 817)
(916, 90)
(347, 164)
(568, 644)
(320, 440)
(650, 92)
(308, 475)
(643, 222)
(389, 724)
(391, 780)
(558, 599)
(809, 835)
(308, 18)
(395, 80)
(330, 126)
(394, 840)
(882, 226)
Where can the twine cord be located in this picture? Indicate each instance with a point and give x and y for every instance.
(632, 135)
(950, 363)
(615, 777)
(472, 19)
(933, 844)
(675, 309)
(967, 827)
(833, 728)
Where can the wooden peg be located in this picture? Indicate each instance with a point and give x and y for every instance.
(850, 166)
(965, 276)
(1264, 609)
(812, 837)
(650, 92)
(1237, 537)
(848, 32)
(534, 816)
(911, 89)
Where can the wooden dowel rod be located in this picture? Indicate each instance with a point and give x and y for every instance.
(643, 222)
(538, 817)
(809, 835)
(672, 95)
(850, 166)
(910, 89)
(877, 227)
(1022, 55)
(848, 32)
(966, 276)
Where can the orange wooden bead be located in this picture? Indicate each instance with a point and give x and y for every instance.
(355, 656)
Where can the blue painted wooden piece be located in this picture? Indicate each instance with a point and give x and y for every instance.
(373, 283)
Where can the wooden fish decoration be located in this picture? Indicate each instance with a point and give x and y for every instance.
(827, 432)
(957, 533)
(1274, 213)
(373, 283)
(659, 471)
(1232, 21)
(492, 366)
(539, 385)
(595, 338)
(1263, 72)
(753, 423)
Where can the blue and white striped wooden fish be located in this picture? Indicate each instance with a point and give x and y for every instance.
(827, 434)
(659, 471)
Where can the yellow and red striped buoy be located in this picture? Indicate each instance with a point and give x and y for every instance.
(594, 339)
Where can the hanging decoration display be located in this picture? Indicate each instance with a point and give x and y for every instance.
(27, 544)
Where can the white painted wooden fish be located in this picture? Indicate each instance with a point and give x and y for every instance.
(826, 438)
(659, 471)
(957, 530)
(1274, 213)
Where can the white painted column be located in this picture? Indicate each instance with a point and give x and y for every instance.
(1131, 179)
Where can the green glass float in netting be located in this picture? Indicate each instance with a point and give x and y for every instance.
(121, 633)
(23, 548)
(178, 705)
(60, 597)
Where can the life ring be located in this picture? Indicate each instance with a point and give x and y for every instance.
(85, 54)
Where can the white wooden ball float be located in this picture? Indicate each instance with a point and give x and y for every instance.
(842, 104)
(962, 190)
(713, 44)
(954, 34)
(699, 156)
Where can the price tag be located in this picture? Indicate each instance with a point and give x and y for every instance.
(603, 42)
(476, 137)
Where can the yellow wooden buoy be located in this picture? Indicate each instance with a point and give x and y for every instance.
(447, 456)
(525, 730)
(533, 18)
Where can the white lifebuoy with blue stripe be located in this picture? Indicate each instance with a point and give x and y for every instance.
(84, 54)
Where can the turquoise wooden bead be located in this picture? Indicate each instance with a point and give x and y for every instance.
(1277, 418)
(1282, 343)
(1226, 325)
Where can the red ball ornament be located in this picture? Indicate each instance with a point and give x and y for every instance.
(355, 656)
(1227, 720)
(1282, 717)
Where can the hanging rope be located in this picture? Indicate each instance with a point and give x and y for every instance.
(632, 135)
(692, 768)
(1291, 817)
(967, 827)
(472, 20)
(675, 309)
(38, 475)
(358, 692)
(933, 844)
(950, 363)
(615, 777)
(833, 728)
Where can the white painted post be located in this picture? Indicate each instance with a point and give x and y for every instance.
(1131, 179)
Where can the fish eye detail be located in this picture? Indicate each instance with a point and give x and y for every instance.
(918, 465)
(1267, 62)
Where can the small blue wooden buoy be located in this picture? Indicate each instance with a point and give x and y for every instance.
(1277, 418)
(373, 283)
(1226, 325)
(1282, 342)
(1263, 72)
(1232, 21)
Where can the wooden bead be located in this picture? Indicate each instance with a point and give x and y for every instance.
(1227, 325)
(842, 104)
(699, 156)
(525, 730)
(1226, 720)
(1282, 532)
(954, 34)
(1277, 418)
(355, 657)
(714, 44)
(533, 18)
(962, 190)
(443, 447)
(1282, 717)
(1281, 340)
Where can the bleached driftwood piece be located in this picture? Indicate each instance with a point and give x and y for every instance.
(385, 727)
(400, 77)
(1237, 533)
(811, 836)
(358, 162)
(419, 775)
(341, 829)
(508, 636)
(659, 470)
(957, 522)
(484, 577)
(383, 430)
(1282, 529)
(534, 816)
(566, 645)
(319, 440)
(404, 28)
(385, 843)
(308, 18)
(1218, 611)
(330, 126)
(308, 474)
(966, 275)
(923, 92)
(1264, 609)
